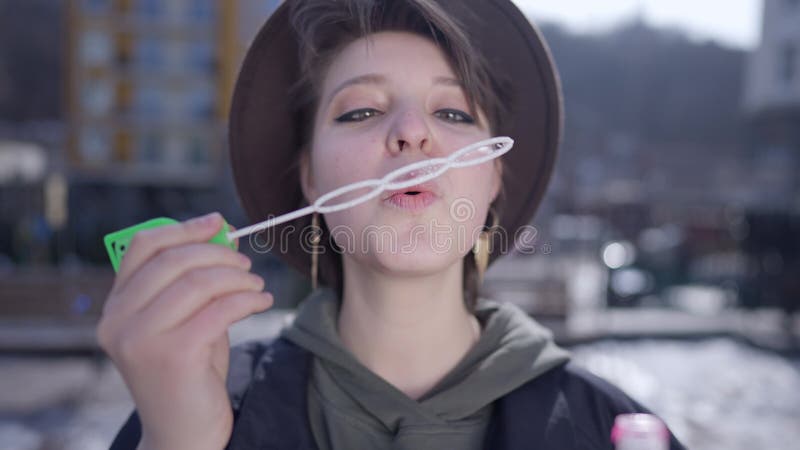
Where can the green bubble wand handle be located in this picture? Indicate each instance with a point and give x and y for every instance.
(117, 243)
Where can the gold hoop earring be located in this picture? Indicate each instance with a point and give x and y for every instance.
(483, 246)
(316, 237)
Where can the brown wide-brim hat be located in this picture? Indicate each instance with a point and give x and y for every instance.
(264, 136)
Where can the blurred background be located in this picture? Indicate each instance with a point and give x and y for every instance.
(668, 248)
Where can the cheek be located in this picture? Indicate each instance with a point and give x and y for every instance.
(475, 183)
(331, 171)
(342, 162)
(342, 226)
(468, 204)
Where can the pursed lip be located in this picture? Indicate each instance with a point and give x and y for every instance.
(429, 186)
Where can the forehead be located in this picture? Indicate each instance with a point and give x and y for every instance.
(396, 55)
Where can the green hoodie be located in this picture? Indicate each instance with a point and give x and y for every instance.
(350, 407)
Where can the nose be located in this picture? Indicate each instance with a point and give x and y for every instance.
(409, 132)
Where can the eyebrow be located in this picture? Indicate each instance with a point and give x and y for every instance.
(377, 79)
(447, 81)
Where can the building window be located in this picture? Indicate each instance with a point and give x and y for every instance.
(150, 9)
(149, 151)
(149, 53)
(149, 102)
(98, 7)
(95, 146)
(200, 56)
(201, 10)
(199, 102)
(97, 97)
(197, 151)
(788, 63)
(96, 48)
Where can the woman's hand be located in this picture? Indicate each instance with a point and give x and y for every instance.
(165, 324)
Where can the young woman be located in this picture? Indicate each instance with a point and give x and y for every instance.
(395, 349)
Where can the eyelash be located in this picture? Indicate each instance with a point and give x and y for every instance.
(350, 116)
(359, 115)
(464, 117)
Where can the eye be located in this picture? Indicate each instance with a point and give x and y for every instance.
(358, 115)
(455, 116)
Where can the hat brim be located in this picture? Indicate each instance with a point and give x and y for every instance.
(264, 139)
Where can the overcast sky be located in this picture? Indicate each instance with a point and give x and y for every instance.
(736, 23)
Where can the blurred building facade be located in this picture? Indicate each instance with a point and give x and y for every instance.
(146, 93)
(149, 85)
(148, 89)
(772, 104)
(774, 70)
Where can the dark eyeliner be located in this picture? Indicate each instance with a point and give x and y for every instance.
(349, 116)
(466, 118)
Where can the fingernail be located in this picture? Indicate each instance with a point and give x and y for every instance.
(244, 260)
(203, 220)
(267, 300)
(261, 284)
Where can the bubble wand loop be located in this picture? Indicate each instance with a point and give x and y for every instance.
(435, 167)
(116, 243)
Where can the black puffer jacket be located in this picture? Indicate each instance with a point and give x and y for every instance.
(566, 408)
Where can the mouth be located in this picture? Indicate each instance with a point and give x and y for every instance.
(414, 198)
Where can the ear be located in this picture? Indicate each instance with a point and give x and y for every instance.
(306, 179)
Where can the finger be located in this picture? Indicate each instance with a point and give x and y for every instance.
(168, 266)
(221, 355)
(147, 243)
(214, 320)
(192, 291)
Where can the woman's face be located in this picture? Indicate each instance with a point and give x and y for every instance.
(387, 101)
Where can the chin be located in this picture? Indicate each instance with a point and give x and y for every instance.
(411, 262)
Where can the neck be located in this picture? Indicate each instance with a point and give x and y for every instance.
(411, 330)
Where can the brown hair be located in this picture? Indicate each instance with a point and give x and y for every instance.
(325, 27)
